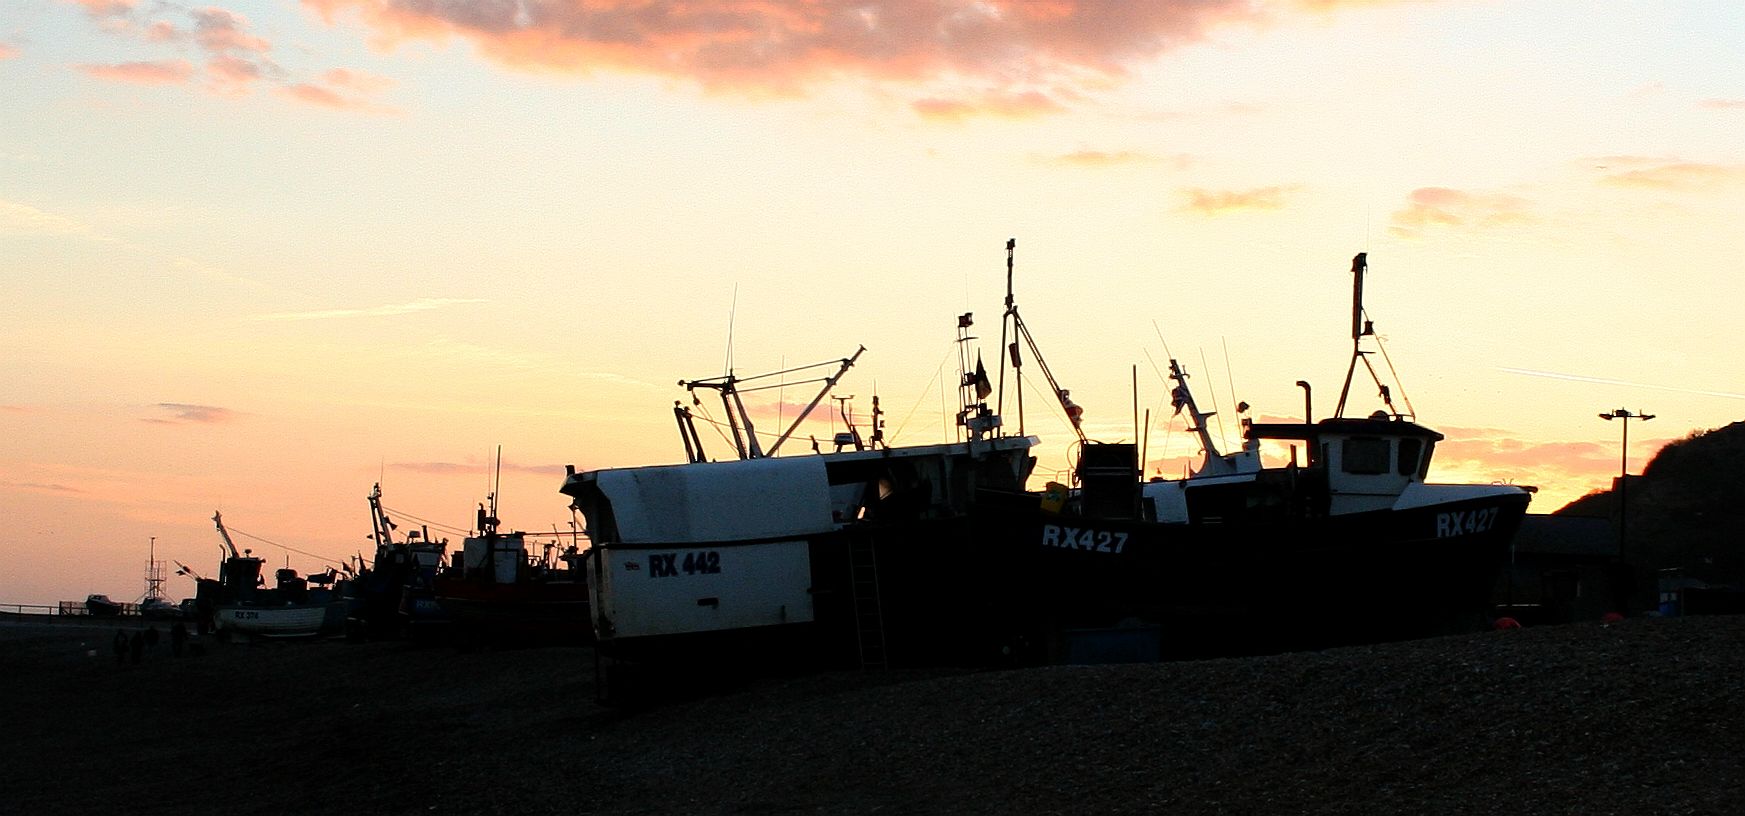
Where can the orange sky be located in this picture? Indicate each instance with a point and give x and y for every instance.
(261, 255)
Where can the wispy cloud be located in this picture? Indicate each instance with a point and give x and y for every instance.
(166, 72)
(419, 305)
(343, 89)
(1225, 202)
(952, 59)
(1017, 105)
(8, 51)
(1431, 207)
(23, 219)
(1116, 158)
(184, 413)
(1667, 174)
(1722, 104)
(41, 487)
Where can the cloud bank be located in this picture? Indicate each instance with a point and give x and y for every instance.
(965, 57)
(219, 50)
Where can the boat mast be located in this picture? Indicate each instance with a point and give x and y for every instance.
(738, 417)
(1015, 324)
(218, 519)
(1216, 463)
(1361, 328)
(384, 529)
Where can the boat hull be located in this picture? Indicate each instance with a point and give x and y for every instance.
(292, 621)
(522, 613)
(1263, 586)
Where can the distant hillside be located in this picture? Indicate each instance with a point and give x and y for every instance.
(1687, 509)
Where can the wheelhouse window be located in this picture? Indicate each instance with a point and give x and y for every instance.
(1366, 456)
(1409, 452)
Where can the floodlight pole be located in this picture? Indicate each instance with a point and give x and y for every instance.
(1624, 477)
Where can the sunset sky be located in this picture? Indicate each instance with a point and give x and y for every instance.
(258, 256)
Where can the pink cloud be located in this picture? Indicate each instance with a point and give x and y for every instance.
(236, 58)
(342, 89)
(1722, 104)
(357, 80)
(167, 72)
(1563, 471)
(1006, 105)
(1224, 202)
(102, 9)
(222, 32)
(977, 58)
(232, 75)
(1430, 207)
(162, 31)
(316, 95)
(312, 94)
(8, 51)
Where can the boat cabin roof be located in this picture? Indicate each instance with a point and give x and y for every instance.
(1343, 426)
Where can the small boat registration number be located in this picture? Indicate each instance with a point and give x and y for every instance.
(667, 565)
(1075, 538)
(1456, 523)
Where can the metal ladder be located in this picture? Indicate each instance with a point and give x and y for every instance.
(869, 617)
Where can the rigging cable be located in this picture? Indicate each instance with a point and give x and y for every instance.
(938, 377)
(321, 558)
(437, 525)
(1410, 411)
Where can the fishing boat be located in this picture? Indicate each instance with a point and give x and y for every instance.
(1345, 543)
(239, 603)
(394, 595)
(499, 593)
(864, 554)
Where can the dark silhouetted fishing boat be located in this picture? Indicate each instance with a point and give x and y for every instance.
(1347, 543)
(394, 595)
(239, 603)
(500, 594)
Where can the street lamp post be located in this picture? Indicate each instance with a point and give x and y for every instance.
(1624, 486)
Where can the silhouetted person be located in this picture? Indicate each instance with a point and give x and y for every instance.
(178, 638)
(136, 646)
(120, 646)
